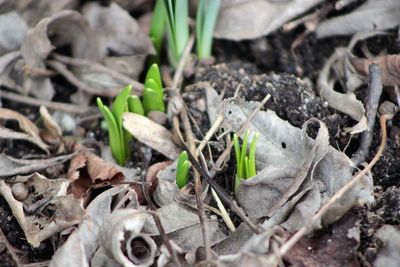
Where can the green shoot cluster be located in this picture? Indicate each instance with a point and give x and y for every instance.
(182, 170)
(152, 100)
(174, 13)
(245, 163)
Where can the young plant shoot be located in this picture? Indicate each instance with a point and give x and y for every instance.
(245, 163)
(182, 170)
(206, 16)
(118, 137)
(176, 12)
(153, 96)
(157, 29)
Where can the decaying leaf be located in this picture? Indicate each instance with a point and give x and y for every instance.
(159, 138)
(49, 196)
(346, 103)
(48, 121)
(88, 171)
(182, 225)
(295, 172)
(389, 65)
(30, 131)
(372, 15)
(248, 19)
(389, 255)
(69, 27)
(85, 240)
(12, 30)
(123, 240)
(10, 166)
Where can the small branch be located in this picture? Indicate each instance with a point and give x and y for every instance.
(137, 86)
(62, 69)
(339, 194)
(374, 94)
(70, 108)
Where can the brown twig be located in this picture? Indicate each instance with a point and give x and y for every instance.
(156, 218)
(374, 94)
(70, 108)
(137, 86)
(339, 194)
(62, 69)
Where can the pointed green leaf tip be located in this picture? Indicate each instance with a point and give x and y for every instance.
(182, 170)
(154, 74)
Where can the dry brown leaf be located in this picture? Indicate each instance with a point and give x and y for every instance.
(151, 134)
(49, 122)
(389, 64)
(88, 171)
(31, 132)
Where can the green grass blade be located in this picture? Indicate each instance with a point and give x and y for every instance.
(236, 146)
(152, 101)
(236, 183)
(181, 25)
(154, 74)
(157, 26)
(119, 105)
(135, 105)
(252, 156)
(113, 134)
(199, 25)
(182, 170)
(210, 18)
(244, 154)
(246, 164)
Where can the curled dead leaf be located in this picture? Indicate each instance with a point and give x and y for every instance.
(88, 171)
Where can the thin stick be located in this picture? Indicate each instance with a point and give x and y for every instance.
(70, 108)
(374, 94)
(137, 86)
(339, 194)
(62, 69)
(182, 63)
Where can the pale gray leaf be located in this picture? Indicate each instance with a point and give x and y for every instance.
(12, 31)
(249, 19)
(373, 15)
(389, 254)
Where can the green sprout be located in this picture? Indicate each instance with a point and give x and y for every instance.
(206, 17)
(118, 137)
(182, 170)
(176, 12)
(246, 163)
(152, 97)
(157, 28)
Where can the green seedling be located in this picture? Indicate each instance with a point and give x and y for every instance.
(157, 28)
(176, 12)
(153, 96)
(182, 170)
(245, 163)
(206, 16)
(118, 137)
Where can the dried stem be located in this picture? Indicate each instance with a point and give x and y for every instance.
(374, 94)
(137, 86)
(339, 194)
(70, 108)
(62, 69)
